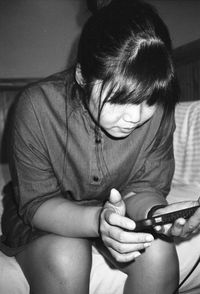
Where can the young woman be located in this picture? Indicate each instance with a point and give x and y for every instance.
(92, 153)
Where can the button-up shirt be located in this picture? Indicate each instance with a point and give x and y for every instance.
(55, 151)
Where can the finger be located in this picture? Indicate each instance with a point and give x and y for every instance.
(124, 248)
(115, 219)
(192, 223)
(174, 229)
(128, 237)
(197, 230)
(177, 227)
(165, 229)
(195, 218)
(124, 257)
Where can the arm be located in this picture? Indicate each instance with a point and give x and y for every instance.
(151, 188)
(37, 189)
(64, 217)
(151, 183)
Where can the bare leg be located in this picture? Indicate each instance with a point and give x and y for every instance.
(54, 264)
(155, 271)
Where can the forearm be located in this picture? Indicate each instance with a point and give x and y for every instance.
(63, 217)
(138, 205)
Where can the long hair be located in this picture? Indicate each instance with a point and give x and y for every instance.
(127, 47)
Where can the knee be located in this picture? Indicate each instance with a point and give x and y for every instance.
(68, 254)
(163, 252)
(162, 256)
(60, 255)
(158, 266)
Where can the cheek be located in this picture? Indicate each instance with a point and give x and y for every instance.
(148, 113)
(93, 107)
(109, 115)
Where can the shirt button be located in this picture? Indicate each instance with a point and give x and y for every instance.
(98, 140)
(95, 178)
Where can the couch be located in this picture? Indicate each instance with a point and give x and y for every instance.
(185, 186)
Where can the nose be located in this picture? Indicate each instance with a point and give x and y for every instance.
(132, 113)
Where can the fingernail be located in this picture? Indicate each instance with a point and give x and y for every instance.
(147, 245)
(158, 228)
(149, 238)
(179, 225)
(181, 222)
(137, 254)
(131, 226)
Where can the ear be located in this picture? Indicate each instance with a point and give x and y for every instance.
(78, 75)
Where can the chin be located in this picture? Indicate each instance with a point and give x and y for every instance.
(117, 136)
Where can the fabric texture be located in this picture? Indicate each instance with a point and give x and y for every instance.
(54, 153)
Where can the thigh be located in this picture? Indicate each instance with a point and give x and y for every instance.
(155, 271)
(55, 264)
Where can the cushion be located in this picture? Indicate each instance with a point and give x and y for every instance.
(187, 143)
(12, 279)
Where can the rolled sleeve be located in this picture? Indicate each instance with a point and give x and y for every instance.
(151, 184)
(33, 178)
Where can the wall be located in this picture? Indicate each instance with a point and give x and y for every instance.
(182, 18)
(39, 37)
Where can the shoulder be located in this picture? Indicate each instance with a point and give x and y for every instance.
(44, 97)
(49, 90)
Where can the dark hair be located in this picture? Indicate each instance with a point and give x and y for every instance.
(127, 46)
(94, 5)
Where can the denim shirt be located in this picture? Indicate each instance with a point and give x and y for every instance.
(55, 152)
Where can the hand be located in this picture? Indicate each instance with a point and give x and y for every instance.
(181, 227)
(117, 230)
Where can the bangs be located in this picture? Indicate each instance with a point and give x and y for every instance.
(133, 92)
(148, 76)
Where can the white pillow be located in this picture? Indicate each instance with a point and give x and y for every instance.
(187, 143)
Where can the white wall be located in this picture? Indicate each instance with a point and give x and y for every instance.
(37, 36)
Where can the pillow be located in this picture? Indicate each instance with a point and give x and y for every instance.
(187, 143)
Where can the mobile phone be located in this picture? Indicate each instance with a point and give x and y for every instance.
(163, 219)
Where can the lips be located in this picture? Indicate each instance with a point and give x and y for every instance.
(127, 130)
(119, 128)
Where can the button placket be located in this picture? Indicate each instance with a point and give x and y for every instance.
(96, 174)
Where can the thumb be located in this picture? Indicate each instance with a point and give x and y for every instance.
(116, 201)
(115, 197)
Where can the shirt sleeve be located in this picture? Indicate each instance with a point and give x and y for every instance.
(33, 178)
(151, 183)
